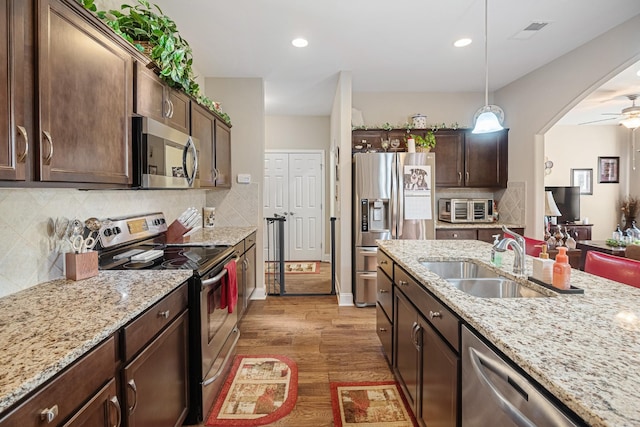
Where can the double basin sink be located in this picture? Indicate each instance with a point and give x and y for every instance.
(479, 281)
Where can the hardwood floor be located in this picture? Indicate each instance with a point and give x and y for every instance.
(305, 283)
(328, 343)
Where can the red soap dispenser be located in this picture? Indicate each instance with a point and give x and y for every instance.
(561, 270)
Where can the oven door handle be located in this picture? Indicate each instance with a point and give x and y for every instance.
(215, 376)
(215, 279)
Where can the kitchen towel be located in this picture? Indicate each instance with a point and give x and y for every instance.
(229, 291)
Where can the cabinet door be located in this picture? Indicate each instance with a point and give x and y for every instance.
(449, 152)
(156, 380)
(102, 410)
(203, 130)
(150, 94)
(406, 356)
(223, 155)
(440, 367)
(13, 134)
(178, 117)
(85, 91)
(250, 275)
(486, 159)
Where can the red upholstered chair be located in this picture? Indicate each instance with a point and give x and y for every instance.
(613, 267)
(530, 245)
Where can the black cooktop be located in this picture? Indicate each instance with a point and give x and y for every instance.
(152, 256)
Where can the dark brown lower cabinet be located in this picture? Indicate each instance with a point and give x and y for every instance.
(102, 410)
(155, 382)
(426, 367)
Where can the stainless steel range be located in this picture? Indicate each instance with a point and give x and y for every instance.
(138, 242)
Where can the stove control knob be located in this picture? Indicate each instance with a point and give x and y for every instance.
(117, 230)
(107, 232)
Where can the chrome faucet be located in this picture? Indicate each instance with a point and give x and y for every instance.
(517, 244)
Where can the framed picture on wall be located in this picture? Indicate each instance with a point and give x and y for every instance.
(608, 170)
(582, 178)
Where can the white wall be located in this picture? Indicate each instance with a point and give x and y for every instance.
(579, 147)
(535, 102)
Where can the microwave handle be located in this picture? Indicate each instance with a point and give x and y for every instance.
(185, 153)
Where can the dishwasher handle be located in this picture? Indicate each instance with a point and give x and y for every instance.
(478, 359)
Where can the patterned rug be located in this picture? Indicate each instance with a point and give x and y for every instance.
(259, 390)
(379, 404)
(295, 267)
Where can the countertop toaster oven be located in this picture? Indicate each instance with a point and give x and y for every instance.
(465, 210)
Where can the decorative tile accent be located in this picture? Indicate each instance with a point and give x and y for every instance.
(512, 203)
(237, 207)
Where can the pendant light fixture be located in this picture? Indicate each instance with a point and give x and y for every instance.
(488, 118)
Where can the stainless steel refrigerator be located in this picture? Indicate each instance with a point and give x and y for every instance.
(393, 198)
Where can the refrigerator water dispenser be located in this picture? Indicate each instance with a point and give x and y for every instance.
(375, 215)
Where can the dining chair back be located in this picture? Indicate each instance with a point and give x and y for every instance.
(613, 267)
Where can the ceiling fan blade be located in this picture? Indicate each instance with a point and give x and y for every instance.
(596, 121)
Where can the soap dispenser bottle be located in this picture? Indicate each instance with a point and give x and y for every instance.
(561, 270)
(496, 256)
(543, 266)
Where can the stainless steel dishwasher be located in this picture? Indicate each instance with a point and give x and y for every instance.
(494, 394)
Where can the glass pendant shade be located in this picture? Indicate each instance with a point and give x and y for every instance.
(631, 123)
(487, 122)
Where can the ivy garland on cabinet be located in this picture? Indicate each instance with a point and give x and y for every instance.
(147, 28)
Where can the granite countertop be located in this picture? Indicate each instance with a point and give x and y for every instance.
(47, 327)
(444, 225)
(221, 235)
(584, 349)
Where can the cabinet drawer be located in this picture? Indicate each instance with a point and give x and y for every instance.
(385, 263)
(442, 319)
(249, 241)
(384, 330)
(385, 296)
(141, 330)
(238, 249)
(457, 234)
(67, 392)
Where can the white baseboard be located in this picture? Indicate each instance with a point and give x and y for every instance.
(259, 293)
(345, 299)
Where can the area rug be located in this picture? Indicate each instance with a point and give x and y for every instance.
(379, 404)
(296, 267)
(259, 390)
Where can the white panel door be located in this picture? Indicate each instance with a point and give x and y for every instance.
(305, 207)
(293, 188)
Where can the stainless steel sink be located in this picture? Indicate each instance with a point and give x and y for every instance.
(499, 287)
(477, 280)
(459, 269)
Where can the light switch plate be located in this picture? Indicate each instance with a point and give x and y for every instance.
(244, 178)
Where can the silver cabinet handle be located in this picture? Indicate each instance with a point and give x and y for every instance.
(47, 136)
(170, 109)
(382, 329)
(49, 414)
(403, 283)
(23, 156)
(459, 176)
(164, 314)
(466, 174)
(166, 109)
(455, 235)
(113, 402)
(433, 314)
(132, 385)
(384, 262)
(383, 291)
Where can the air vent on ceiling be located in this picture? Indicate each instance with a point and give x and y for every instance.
(530, 30)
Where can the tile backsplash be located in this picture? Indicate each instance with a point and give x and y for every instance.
(26, 253)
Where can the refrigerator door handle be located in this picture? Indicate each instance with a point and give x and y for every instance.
(394, 197)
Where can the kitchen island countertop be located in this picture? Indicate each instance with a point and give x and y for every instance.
(45, 328)
(584, 349)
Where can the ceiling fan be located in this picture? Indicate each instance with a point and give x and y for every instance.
(627, 114)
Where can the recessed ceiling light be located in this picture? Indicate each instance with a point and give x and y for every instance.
(300, 42)
(462, 42)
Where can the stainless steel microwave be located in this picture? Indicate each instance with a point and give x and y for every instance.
(465, 210)
(163, 157)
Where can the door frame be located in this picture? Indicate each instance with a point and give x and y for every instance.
(326, 257)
